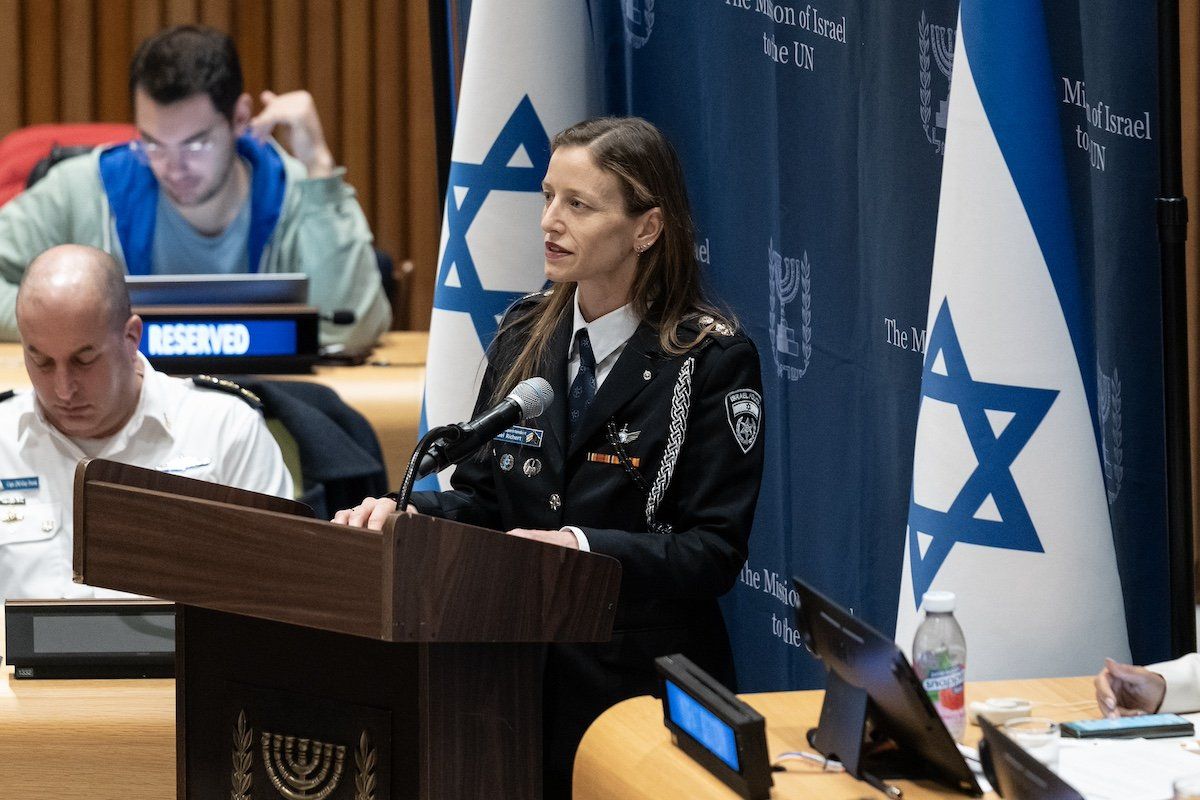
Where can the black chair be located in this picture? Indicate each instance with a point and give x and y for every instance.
(341, 461)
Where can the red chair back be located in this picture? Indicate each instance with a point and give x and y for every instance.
(21, 150)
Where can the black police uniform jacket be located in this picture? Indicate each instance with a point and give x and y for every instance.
(670, 582)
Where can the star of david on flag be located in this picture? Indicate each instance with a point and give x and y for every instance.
(528, 73)
(998, 420)
(1008, 507)
(459, 286)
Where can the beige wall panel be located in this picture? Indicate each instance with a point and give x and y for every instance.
(77, 78)
(1189, 78)
(322, 71)
(251, 28)
(147, 18)
(390, 132)
(180, 12)
(114, 49)
(217, 14)
(11, 81)
(288, 47)
(423, 202)
(356, 115)
(41, 62)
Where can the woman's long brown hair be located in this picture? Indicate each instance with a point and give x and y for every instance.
(667, 287)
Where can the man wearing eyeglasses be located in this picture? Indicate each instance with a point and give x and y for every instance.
(203, 189)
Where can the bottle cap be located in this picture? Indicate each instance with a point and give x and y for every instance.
(938, 602)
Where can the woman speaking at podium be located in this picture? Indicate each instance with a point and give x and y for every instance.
(651, 451)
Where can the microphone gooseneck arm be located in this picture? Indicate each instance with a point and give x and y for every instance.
(450, 444)
(432, 437)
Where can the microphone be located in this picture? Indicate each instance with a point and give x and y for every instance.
(342, 316)
(528, 399)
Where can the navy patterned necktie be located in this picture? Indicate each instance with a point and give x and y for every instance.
(583, 388)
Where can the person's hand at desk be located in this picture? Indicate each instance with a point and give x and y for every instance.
(371, 513)
(1123, 690)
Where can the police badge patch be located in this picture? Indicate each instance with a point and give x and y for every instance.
(744, 410)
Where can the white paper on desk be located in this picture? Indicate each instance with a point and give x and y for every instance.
(1137, 769)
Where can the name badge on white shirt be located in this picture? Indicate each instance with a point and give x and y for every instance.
(183, 463)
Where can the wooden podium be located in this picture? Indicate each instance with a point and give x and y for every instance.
(320, 662)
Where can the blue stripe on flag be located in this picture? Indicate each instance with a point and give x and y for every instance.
(1008, 49)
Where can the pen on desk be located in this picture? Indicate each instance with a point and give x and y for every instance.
(887, 789)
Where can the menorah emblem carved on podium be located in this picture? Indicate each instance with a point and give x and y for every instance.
(302, 769)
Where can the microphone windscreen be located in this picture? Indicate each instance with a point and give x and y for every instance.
(533, 395)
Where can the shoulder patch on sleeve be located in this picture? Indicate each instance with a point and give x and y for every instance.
(228, 387)
(743, 408)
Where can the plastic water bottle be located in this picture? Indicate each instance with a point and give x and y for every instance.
(940, 659)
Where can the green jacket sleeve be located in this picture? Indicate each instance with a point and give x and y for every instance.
(325, 235)
(31, 222)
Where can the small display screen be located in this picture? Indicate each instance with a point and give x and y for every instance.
(103, 633)
(702, 725)
(217, 338)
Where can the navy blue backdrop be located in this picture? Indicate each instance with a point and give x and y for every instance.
(812, 139)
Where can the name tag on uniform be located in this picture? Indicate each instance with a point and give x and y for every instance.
(528, 437)
(20, 484)
(183, 463)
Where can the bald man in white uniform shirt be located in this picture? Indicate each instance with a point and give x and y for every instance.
(95, 395)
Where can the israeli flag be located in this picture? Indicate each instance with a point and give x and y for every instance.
(1008, 509)
(528, 72)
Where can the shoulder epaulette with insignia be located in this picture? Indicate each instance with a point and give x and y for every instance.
(705, 320)
(229, 387)
(532, 296)
(7, 394)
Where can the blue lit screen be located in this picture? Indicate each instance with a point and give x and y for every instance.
(225, 337)
(702, 725)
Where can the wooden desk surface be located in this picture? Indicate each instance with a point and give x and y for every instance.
(61, 740)
(627, 754)
(387, 390)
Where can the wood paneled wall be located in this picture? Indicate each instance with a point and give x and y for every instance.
(366, 62)
(1189, 79)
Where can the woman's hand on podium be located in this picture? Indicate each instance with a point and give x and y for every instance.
(371, 513)
(1123, 690)
(560, 538)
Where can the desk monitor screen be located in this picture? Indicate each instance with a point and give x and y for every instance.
(716, 728)
(218, 290)
(1015, 774)
(870, 679)
(702, 725)
(90, 638)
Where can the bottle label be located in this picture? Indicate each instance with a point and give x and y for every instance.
(945, 687)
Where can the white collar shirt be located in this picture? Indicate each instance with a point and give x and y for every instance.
(176, 427)
(608, 335)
